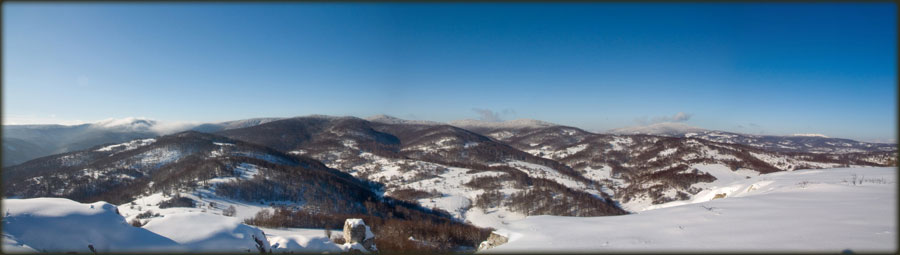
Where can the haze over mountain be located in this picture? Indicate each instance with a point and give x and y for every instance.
(25, 142)
(387, 119)
(663, 128)
(510, 124)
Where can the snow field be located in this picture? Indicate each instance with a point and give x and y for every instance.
(799, 211)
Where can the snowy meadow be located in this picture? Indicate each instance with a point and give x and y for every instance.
(823, 210)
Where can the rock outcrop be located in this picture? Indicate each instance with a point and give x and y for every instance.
(493, 240)
(356, 231)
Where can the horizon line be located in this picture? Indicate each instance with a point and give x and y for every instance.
(367, 118)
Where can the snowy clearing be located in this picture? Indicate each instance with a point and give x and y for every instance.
(129, 145)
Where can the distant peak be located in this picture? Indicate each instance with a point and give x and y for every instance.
(382, 117)
(326, 117)
(810, 135)
(519, 123)
(663, 128)
(128, 123)
(387, 119)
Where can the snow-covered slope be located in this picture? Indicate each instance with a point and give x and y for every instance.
(825, 210)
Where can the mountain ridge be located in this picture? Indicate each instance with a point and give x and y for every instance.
(662, 128)
(484, 175)
(26, 142)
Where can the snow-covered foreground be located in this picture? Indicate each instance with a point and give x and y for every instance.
(806, 210)
(826, 210)
(63, 225)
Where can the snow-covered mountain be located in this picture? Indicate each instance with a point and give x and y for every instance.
(325, 168)
(795, 143)
(646, 170)
(635, 170)
(387, 119)
(452, 168)
(130, 166)
(199, 175)
(26, 142)
(438, 166)
(815, 143)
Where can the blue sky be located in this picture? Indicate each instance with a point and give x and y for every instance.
(753, 68)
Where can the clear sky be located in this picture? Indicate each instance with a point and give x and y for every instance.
(752, 68)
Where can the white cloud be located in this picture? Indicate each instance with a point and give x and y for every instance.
(128, 123)
(146, 124)
(678, 117)
(681, 116)
(170, 127)
(492, 116)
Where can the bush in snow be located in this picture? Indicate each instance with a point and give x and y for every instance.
(147, 215)
(230, 211)
(177, 201)
(411, 195)
(136, 222)
(489, 199)
(487, 182)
